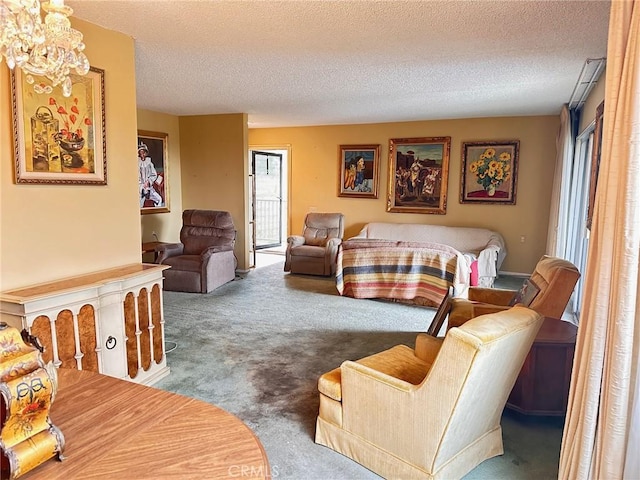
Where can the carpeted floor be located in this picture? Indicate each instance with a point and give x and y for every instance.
(256, 347)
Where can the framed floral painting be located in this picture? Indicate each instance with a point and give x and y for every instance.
(418, 175)
(152, 172)
(58, 139)
(489, 172)
(358, 171)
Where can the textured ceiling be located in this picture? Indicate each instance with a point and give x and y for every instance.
(308, 62)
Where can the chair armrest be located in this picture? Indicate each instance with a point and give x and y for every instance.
(480, 308)
(494, 296)
(295, 240)
(334, 242)
(368, 374)
(207, 252)
(427, 347)
(168, 250)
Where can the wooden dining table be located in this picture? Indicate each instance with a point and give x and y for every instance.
(117, 429)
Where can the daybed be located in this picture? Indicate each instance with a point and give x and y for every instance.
(477, 244)
(417, 271)
(417, 261)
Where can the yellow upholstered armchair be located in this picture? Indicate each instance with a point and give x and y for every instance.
(552, 281)
(429, 412)
(315, 251)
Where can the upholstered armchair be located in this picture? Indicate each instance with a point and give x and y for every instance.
(316, 250)
(433, 411)
(204, 258)
(553, 281)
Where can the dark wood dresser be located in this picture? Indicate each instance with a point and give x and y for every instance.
(542, 387)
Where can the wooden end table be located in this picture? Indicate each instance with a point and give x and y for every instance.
(150, 247)
(542, 387)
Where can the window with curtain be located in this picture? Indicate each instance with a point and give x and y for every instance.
(577, 203)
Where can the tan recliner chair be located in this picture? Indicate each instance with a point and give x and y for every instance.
(204, 260)
(433, 412)
(316, 250)
(555, 277)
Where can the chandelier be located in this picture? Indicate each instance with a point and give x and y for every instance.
(50, 48)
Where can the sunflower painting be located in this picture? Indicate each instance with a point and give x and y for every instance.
(489, 172)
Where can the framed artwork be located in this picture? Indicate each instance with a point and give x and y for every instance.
(418, 175)
(153, 188)
(358, 171)
(58, 139)
(489, 172)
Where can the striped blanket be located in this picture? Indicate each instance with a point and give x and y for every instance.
(370, 268)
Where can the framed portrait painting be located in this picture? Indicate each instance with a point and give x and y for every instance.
(418, 175)
(152, 172)
(58, 139)
(489, 172)
(358, 171)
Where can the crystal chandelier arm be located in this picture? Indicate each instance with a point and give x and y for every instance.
(51, 49)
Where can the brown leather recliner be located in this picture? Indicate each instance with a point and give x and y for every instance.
(554, 277)
(204, 260)
(316, 250)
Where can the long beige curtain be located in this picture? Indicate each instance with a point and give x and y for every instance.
(599, 433)
(557, 215)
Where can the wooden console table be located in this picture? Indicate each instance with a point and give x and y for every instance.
(542, 387)
(119, 429)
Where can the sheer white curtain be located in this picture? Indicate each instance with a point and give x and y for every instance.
(599, 434)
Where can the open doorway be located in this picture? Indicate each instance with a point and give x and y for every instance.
(269, 204)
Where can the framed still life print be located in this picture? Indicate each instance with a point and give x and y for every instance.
(358, 171)
(58, 139)
(418, 175)
(489, 172)
(152, 172)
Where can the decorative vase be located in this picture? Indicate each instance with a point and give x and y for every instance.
(491, 190)
(72, 143)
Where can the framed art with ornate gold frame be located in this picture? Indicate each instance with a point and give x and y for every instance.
(152, 172)
(418, 175)
(58, 139)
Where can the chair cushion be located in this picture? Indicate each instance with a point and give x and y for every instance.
(189, 263)
(329, 384)
(316, 241)
(206, 228)
(398, 362)
(308, 251)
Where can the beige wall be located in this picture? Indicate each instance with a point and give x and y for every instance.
(49, 232)
(314, 177)
(213, 151)
(166, 225)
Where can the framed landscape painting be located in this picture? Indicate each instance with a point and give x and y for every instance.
(489, 172)
(58, 139)
(358, 171)
(152, 172)
(418, 175)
